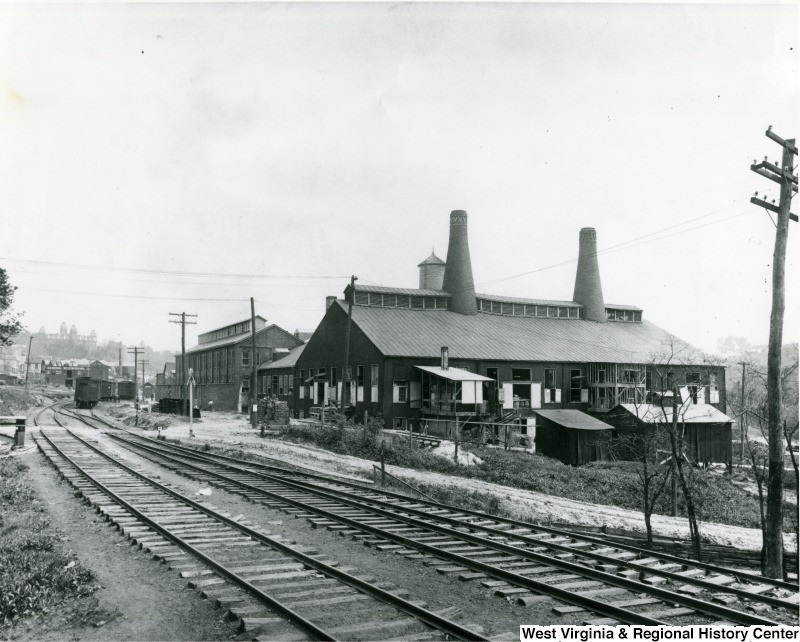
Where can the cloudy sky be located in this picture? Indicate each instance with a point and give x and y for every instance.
(156, 158)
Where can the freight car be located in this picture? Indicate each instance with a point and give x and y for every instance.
(126, 390)
(87, 392)
(108, 390)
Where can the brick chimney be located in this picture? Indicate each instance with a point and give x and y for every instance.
(588, 290)
(458, 271)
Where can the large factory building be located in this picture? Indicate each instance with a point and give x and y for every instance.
(505, 357)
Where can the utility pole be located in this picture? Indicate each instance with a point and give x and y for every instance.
(120, 359)
(135, 352)
(674, 474)
(183, 322)
(28, 365)
(743, 416)
(144, 363)
(345, 378)
(253, 375)
(785, 177)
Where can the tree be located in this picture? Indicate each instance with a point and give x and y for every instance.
(10, 324)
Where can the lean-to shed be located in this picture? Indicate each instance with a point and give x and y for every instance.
(571, 436)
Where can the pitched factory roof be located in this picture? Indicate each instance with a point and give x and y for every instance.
(516, 299)
(454, 374)
(288, 361)
(381, 289)
(407, 333)
(233, 340)
(693, 413)
(573, 419)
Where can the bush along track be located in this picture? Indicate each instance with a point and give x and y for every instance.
(36, 573)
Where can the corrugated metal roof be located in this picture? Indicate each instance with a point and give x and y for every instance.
(226, 341)
(288, 361)
(492, 337)
(454, 374)
(380, 289)
(693, 413)
(573, 419)
(514, 299)
(618, 306)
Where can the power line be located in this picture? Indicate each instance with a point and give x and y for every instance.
(174, 272)
(133, 296)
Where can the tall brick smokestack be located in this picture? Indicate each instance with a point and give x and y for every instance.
(458, 271)
(588, 290)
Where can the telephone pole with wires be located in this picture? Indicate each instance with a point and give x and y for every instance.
(135, 352)
(782, 174)
(144, 363)
(182, 370)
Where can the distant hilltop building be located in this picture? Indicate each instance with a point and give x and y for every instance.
(67, 336)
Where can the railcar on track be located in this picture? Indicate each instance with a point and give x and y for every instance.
(88, 392)
(126, 390)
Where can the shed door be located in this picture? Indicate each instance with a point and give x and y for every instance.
(508, 395)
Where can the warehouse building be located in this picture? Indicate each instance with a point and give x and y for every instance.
(222, 361)
(441, 354)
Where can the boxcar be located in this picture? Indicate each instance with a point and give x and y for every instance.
(107, 390)
(87, 392)
(126, 390)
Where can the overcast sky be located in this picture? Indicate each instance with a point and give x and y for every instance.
(323, 140)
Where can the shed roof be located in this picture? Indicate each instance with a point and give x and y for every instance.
(573, 419)
(692, 413)
(398, 332)
(233, 340)
(454, 374)
(288, 361)
(382, 289)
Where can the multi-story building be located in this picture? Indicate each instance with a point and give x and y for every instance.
(443, 354)
(222, 361)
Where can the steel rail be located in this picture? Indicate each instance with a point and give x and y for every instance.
(667, 557)
(423, 615)
(165, 533)
(513, 578)
(391, 512)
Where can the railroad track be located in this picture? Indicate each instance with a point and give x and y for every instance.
(276, 590)
(618, 583)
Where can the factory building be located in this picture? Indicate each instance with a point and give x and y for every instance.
(222, 361)
(442, 354)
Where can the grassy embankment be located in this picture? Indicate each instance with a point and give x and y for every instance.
(608, 483)
(35, 572)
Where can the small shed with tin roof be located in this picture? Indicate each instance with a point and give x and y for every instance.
(571, 436)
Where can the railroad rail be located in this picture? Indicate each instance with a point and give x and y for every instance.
(619, 583)
(275, 589)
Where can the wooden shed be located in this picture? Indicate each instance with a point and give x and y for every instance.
(571, 436)
(707, 431)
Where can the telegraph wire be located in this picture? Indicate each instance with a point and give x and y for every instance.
(175, 272)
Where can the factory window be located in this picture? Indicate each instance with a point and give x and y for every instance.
(601, 376)
(416, 302)
(274, 384)
(403, 301)
(506, 308)
(541, 310)
(245, 358)
(648, 380)
(550, 384)
(290, 385)
(374, 299)
(492, 373)
(496, 307)
(552, 312)
(360, 375)
(575, 381)
(519, 310)
(389, 301)
(563, 313)
(374, 376)
(629, 376)
(334, 379)
(362, 298)
(693, 378)
(483, 305)
(609, 314)
(400, 423)
(302, 377)
(637, 317)
(400, 391)
(573, 313)
(441, 304)
(281, 381)
(520, 374)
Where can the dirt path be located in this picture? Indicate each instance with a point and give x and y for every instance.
(139, 599)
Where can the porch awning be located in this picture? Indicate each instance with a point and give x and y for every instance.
(454, 374)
